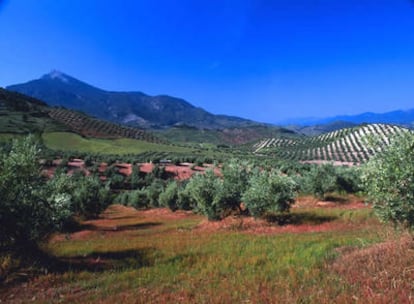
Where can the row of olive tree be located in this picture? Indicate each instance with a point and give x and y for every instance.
(31, 207)
(321, 180)
(216, 196)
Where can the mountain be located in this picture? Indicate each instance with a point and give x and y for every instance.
(399, 117)
(132, 108)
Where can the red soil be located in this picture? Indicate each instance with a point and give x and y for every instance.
(259, 226)
(180, 172)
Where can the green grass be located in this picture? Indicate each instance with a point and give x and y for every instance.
(28, 122)
(153, 259)
(72, 142)
(5, 137)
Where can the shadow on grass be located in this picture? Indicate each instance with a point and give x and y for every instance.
(298, 218)
(145, 225)
(73, 227)
(107, 260)
(336, 199)
(34, 262)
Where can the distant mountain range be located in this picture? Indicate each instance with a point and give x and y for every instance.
(399, 117)
(132, 108)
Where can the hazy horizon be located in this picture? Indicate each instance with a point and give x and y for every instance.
(268, 61)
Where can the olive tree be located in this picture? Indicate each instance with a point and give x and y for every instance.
(388, 180)
(206, 191)
(269, 191)
(236, 176)
(29, 207)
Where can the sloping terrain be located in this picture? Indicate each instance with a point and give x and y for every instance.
(92, 127)
(132, 108)
(228, 136)
(23, 114)
(315, 130)
(345, 145)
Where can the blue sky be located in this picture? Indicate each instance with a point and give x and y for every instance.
(265, 60)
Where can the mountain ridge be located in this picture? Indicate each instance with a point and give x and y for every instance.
(401, 117)
(130, 107)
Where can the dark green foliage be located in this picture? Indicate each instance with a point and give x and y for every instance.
(323, 179)
(136, 180)
(90, 197)
(269, 192)
(320, 180)
(184, 199)
(169, 197)
(389, 181)
(236, 176)
(135, 198)
(29, 208)
(206, 191)
(153, 192)
(349, 179)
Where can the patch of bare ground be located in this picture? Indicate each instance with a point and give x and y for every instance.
(381, 273)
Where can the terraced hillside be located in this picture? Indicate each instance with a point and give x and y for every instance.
(92, 127)
(20, 114)
(353, 145)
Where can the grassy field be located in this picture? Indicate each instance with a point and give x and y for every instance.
(157, 256)
(73, 142)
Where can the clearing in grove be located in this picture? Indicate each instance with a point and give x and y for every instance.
(320, 253)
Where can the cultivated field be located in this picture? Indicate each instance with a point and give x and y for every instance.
(349, 145)
(73, 142)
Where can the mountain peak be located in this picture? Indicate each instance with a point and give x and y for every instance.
(57, 75)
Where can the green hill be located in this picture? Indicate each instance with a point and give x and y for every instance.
(20, 114)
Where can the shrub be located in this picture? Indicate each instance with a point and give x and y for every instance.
(235, 180)
(349, 179)
(389, 181)
(269, 191)
(153, 192)
(320, 180)
(138, 198)
(184, 199)
(29, 209)
(205, 190)
(169, 197)
(90, 197)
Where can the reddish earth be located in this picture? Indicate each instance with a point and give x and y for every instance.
(117, 217)
(180, 172)
(259, 226)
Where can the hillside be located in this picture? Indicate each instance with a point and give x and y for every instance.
(228, 136)
(23, 114)
(315, 130)
(351, 145)
(132, 108)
